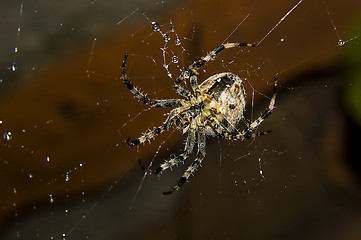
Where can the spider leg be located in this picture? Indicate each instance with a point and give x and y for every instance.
(192, 70)
(177, 158)
(156, 131)
(212, 55)
(146, 136)
(143, 97)
(249, 131)
(223, 127)
(196, 163)
(227, 130)
(194, 84)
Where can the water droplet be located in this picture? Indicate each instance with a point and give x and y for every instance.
(80, 164)
(14, 190)
(1, 121)
(341, 42)
(16, 49)
(66, 212)
(51, 198)
(8, 136)
(67, 177)
(177, 41)
(47, 158)
(260, 168)
(30, 175)
(175, 59)
(186, 74)
(155, 26)
(166, 38)
(13, 67)
(282, 39)
(172, 28)
(1, 80)
(63, 237)
(83, 215)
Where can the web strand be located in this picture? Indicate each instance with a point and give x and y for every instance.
(279, 22)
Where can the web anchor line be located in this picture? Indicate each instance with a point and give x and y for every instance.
(341, 42)
(279, 22)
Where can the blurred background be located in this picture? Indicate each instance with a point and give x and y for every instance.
(67, 173)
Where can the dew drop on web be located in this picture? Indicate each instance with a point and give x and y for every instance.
(155, 26)
(175, 59)
(341, 42)
(8, 136)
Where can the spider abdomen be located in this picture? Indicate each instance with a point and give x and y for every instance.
(228, 96)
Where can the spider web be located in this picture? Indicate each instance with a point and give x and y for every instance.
(65, 114)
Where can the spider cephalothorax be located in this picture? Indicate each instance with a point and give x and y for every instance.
(213, 108)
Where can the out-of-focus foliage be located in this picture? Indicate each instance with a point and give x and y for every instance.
(352, 93)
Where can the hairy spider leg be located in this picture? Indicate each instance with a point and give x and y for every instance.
(192, 70)
(143, 97)
(201, 154)
(194, 84)
(228, 131)
(175, 159)
(249, 131)
(156, 131)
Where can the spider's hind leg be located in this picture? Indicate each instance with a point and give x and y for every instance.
(147, 136)
(250, 131)
(195, 164)
(269, 109)
(175, 159)
(156, 131)
(189, 172)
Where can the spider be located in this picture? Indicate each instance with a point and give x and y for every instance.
(213, 108)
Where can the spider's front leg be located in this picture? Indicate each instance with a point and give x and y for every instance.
(192, 70)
